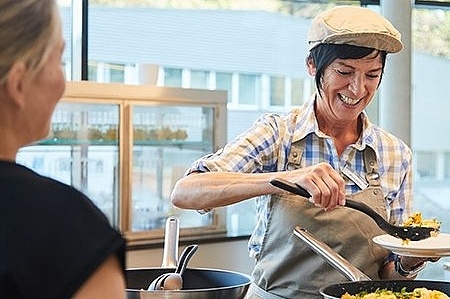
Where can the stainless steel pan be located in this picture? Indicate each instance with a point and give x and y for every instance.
(359, 281)
(198, 283)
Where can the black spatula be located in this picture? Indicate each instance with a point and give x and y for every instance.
(413, 233)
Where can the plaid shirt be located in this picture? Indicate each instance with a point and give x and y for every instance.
(265, 147)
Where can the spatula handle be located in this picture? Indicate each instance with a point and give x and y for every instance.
(299, 190)
(291, 187)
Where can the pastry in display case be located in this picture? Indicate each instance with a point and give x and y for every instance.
(125, 146)
(165, 138)
(81, 151)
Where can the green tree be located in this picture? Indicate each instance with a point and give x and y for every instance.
(431, 31)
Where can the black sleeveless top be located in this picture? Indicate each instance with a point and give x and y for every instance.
(52, 237)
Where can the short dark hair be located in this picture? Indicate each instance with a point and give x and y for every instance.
(323, 55)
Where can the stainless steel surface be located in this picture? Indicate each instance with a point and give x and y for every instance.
(198, 283)
(174, 281)
(185, 257)
(171, 241)
(360, 282)
(331, 256)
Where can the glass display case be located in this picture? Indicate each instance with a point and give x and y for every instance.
(125, 146)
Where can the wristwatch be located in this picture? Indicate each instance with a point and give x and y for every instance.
(407, 273)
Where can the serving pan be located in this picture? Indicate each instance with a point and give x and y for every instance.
(359, 281)
(198, 283)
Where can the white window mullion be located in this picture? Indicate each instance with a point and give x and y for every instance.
(186, 78)
(235, 89)
(212, 80)
(288, 91)
(77, 29)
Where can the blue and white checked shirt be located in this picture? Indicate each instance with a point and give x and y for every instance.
(265, 147)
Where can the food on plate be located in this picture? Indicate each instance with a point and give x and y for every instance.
(416, 219)
(418, 293)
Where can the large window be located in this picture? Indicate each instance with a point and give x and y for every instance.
(199, 79)
(255, 51)
(426, 166)
(249, 89)
(446, 165)
(68, 31)
(173, 77)
(277, 91)
(224, 81)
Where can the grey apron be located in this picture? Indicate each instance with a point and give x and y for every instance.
(287, 268)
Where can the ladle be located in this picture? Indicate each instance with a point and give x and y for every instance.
(174, 280)
(412, 233)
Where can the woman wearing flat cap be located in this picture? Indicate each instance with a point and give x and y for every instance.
(330, 148)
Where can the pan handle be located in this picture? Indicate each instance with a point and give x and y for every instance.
(171, 240)
(331, 256)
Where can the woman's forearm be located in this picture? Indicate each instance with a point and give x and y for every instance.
(215, 189)
(402, 268)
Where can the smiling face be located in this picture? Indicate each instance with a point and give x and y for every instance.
(347, 87)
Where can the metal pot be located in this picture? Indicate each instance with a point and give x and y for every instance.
(198, 283)
(360, 281)
(335, 291)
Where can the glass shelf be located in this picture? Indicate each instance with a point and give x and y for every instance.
(126, 146)
(157, 143)
(77, 142)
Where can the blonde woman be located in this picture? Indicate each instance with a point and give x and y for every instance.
(54, 242)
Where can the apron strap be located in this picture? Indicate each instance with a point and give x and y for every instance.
(370, 162)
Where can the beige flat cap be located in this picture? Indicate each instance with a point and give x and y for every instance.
(357, 26)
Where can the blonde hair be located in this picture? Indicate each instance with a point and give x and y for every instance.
(28, 29)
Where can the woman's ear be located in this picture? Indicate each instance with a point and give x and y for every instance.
(310, 66)
(15, 83)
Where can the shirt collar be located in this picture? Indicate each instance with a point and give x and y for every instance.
(306, 123)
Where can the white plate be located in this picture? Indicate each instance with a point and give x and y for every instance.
(438, 246)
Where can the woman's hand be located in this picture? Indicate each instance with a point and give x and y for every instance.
(412, 262)
(326, 186)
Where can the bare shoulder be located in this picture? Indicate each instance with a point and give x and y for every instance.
(106, 282)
